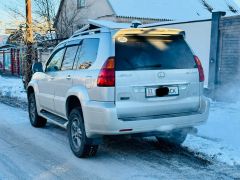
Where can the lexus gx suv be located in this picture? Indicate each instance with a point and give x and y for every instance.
(135, 81)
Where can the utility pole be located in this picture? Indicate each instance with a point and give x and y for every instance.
(29, 37)
(29, 43)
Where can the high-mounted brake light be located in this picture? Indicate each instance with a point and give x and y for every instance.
(200, 69)
(106, 77)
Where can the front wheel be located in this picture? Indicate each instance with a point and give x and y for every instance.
(176, 137)
(35, 119)
(77, 136)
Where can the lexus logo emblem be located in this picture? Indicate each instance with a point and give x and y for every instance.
(161, 75)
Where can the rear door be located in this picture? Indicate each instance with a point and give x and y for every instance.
(155, 75)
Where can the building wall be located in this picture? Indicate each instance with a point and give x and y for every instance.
(198, 36)
(71, 18)
(228, 75)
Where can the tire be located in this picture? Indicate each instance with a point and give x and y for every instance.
(35, 120)
(176, 137)
(78, 140)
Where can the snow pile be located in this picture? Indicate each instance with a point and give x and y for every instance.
(220, 137)
(12, 87)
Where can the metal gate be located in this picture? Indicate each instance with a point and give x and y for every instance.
(10, 61)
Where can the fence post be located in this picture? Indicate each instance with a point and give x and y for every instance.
(18, 62)
(3, 61)
(214, 49)
(12, 61)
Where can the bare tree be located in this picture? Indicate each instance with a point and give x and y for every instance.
(67, 20)
(207, 6)
(71, 18)
(45, 9)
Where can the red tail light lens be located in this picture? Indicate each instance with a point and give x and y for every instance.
(106, 77)
(200, 69)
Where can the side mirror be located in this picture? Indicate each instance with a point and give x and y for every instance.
(37, 67)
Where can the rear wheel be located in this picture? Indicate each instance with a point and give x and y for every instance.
(176, 137)
(35, 119)
(78, 140)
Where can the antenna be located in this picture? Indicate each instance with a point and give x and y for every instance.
(136, 23)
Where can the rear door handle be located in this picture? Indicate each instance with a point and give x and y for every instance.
(52, 78)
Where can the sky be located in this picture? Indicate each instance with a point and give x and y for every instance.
(5, 17)
(7, 20)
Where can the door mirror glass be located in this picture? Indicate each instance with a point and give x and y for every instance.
(37, 67)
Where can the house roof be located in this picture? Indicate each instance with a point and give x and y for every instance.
(6, 46)
(109, 24)
(171, 9)
(163, 23)
(167, 9)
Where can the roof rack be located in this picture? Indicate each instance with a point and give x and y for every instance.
(97, 26)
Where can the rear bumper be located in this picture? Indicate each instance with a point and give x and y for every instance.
(101, 119)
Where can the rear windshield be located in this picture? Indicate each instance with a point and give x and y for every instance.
(153, 53)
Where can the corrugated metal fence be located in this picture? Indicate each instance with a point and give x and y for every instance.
(11, 61)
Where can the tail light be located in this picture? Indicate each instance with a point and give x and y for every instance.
(106, 77)
(200, 69)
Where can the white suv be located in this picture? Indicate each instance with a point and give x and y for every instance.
(104, 81)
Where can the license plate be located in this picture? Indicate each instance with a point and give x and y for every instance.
(151, 91)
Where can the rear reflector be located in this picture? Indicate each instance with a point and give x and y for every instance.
(200, 69)
(106, 77)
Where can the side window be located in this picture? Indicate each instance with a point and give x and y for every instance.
(87, 54)
(69, 57)
(55, 62)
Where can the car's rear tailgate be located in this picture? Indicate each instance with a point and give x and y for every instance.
(155, 75)
(132, 100)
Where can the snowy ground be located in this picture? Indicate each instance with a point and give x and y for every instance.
(216, 141)
(12, 87)
(220, 137)
(44, 153)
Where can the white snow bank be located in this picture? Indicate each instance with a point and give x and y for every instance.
(12, 87)
(220, 137)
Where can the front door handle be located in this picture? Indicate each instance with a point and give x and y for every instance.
(68, 77)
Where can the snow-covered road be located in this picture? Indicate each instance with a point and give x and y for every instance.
(27, 152)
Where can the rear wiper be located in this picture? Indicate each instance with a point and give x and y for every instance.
(150, 66)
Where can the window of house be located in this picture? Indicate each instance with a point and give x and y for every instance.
(81, 3)
(87, 54)
(69, 58)
(54, 64)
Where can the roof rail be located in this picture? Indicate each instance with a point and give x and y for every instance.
(84, 28)
(89, 29)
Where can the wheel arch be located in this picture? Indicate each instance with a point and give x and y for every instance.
(72, 102)
(77, 96)
(30, 90)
